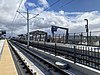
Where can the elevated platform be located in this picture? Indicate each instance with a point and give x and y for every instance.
(7, 66)
(1, 46)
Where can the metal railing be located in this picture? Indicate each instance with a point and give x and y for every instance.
(92, 39)
(86, 55)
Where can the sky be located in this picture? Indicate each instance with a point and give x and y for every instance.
(66, 13)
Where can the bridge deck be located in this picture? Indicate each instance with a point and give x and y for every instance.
(7, 66)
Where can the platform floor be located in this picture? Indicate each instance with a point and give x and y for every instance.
(1, 46)
(7, 66)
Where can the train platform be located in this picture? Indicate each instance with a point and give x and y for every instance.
(7, 66)
(1, 46)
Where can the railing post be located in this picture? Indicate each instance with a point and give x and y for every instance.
(59, 38)
(74, 54)
(98, 58)
(55, 49)
(63, 38)
(81, 37)
(74, 38)
(90, 39)
(99, 43)
(44, 47)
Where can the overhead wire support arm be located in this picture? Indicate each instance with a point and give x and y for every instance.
(21, 14)
(34, 16)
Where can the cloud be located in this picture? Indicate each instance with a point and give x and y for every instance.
(74, 23)
(7, 10)
(46, 19)
(44, 3)
(72, 20)
(30, 5)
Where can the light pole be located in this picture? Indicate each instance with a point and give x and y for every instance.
(87, 29)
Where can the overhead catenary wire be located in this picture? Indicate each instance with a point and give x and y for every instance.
(52, 5)
(16, 14)
(17, 10)
(65, 4)
(46, 9)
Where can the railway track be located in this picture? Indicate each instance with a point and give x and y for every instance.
(49, 65)
(22, 67)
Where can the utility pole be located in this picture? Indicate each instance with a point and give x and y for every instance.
(28, 36)
(87, 30)
(28, 19)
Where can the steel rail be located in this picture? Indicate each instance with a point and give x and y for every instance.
(39, 57)
(20, 59)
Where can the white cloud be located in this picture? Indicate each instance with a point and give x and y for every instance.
(62, 12)
(44, 3)
(46, 19)
(75, 22)
(7, 11)
(31, 4)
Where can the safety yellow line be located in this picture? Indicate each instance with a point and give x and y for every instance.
(7, 66)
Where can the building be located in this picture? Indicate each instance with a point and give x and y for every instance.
(2, 34)
(38, 35)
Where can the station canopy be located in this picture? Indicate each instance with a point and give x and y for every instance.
(38, 32)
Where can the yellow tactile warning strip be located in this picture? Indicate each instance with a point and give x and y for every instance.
(7, 66)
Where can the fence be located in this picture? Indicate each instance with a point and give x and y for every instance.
(83, 38)
(86, 55)
(89, 56)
